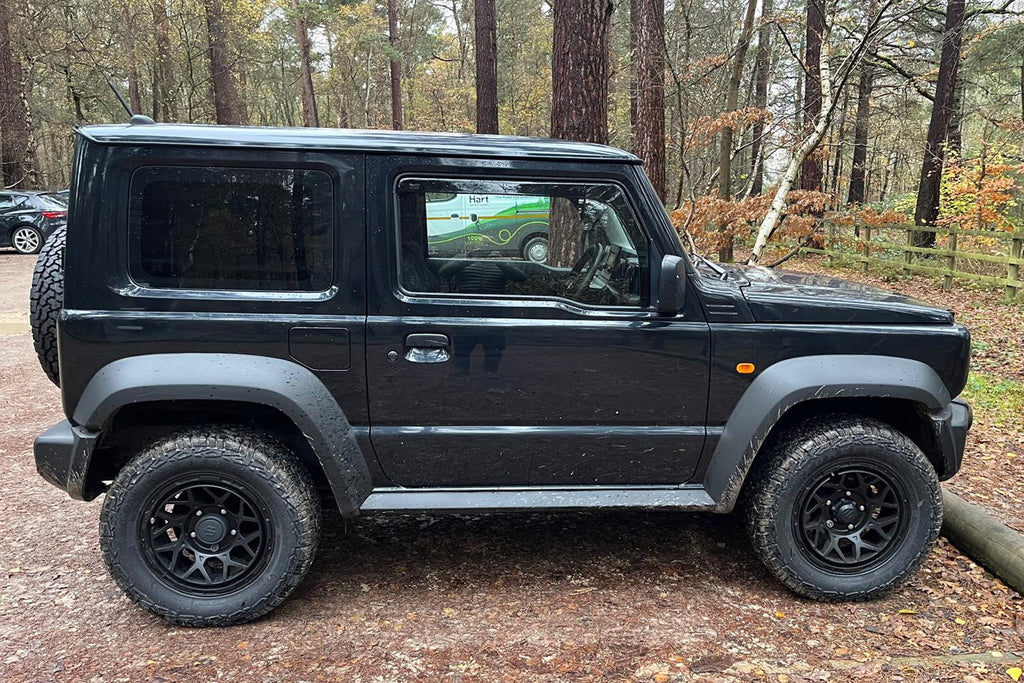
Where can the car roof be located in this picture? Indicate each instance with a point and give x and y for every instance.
(380, 141)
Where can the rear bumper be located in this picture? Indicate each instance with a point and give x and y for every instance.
(951, 426)
(62, 456)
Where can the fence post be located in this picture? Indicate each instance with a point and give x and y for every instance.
(907, 254)
(1012, 267)
(866, 249)
(947, 279)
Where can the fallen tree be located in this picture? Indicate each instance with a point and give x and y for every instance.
(984, 539)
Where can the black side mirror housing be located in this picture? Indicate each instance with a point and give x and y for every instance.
(671, 285)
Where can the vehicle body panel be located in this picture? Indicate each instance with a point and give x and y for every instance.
(584, 406)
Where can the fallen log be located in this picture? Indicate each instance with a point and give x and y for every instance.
(984, 539)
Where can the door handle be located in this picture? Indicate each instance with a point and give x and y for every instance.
(427, 347)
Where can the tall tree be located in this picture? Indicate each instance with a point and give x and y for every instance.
(579, 70)
(731, 102)
(485, 25)
(860, 134)
(927, 209)
(811, 142)
(134, 96)
(647, 104)
(165, 62)
(15, 154)
(761, 76)
(579, 102)
(396, 66)
(310, 117)
(229, 107)
(810, 171)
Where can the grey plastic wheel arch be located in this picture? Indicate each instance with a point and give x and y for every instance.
(793, 381)
(276, 383)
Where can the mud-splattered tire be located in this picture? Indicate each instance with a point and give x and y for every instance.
(45, 301)
(843, 508)
(210, 527)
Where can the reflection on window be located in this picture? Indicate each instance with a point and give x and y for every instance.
(231, 228)
(489, 238)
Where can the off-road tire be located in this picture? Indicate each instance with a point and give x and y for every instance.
(287, 498)
(779, 477)
(45, 301)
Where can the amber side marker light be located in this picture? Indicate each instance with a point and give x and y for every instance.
(745, 368)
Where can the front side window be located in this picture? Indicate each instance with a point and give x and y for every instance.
(527, 239)
(250, 229)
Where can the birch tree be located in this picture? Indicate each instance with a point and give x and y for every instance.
(830, 89)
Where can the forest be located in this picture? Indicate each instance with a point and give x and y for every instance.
(765, 125)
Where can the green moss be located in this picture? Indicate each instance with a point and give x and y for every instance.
(1001, 400)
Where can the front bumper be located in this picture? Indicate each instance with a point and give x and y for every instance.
(62, 455)
(951, 425)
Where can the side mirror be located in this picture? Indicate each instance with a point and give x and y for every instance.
(671, 285)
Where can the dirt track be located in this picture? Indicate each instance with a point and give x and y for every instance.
(599, 596)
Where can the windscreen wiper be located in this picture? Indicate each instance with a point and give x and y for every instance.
(722, 272)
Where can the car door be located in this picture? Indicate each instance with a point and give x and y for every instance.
(494, 371)
(6, 207)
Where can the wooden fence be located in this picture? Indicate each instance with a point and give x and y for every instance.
(951, 259)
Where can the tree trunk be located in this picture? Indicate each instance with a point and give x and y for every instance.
(579, 102)
(165, 67)
(763, 69)
(134, 96)
(954, 136)
(396, 66)
(837, 153)
(725, 140)
(927, 210)
(579, 73)
(15, 166)
(485, 26)
(226, 101)
(778, 206)
(310, 117)
(647, 105)
(860, 135)
(810, 171)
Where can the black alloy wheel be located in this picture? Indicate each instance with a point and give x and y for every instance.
(207, 537)
(852, 519)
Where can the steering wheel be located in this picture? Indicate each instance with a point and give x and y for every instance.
(584, 270)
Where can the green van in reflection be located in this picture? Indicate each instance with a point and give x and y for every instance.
(514, 226)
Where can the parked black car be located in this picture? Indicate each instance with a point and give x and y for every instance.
(253, 321)
(27, 219)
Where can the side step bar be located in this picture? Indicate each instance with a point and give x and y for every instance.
(538, 498)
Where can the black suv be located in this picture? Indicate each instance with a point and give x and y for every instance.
(253, 323)
(27, 219)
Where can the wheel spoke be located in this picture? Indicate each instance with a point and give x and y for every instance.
(189, 540)
(851, 518)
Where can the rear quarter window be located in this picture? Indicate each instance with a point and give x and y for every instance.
(221, 228)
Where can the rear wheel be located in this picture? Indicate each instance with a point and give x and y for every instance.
(211, 527)
(26, 239)
(536, 249)
(845, 508)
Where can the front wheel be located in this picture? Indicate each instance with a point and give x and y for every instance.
(845, 508)
(211, 527)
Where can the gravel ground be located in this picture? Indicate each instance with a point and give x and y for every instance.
(598, 596)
